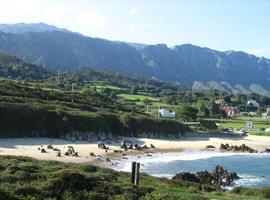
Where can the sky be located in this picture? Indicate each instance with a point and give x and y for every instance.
(241, 25)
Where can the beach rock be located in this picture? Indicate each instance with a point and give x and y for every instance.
(92, 154)
(130, 146)
(117, 151)
(152, 146)
(124, 145)
(242, 148)
(224, 146)
(102, 146)
(43, 150)
(76, 154)
(267, 150)
(219, 176)
(210, 147)
(58, 154)
(55, 149)
(186, 176)
(49, 146)
(108, 160)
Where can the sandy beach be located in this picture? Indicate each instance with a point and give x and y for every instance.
(31, 146)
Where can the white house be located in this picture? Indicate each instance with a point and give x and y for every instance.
(253, 103)
(166, 114)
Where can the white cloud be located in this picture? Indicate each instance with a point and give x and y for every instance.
(134, 11)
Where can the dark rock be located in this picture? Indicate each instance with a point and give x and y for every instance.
(152, 146)
(186, 176)
(219, 176)
(58, 154)
(242, 148)
(49, 146)
(43, 150)
(210, 147)
(117, 151)
(92, 154)
(124, 145)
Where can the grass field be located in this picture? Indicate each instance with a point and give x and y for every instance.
(136, 97)
(238, 123)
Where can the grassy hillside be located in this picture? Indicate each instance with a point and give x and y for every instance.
(42, 109)
(28, 179)
(11, 66)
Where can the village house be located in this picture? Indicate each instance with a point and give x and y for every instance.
(231, 111)
(166, 114)
(253, 103)
(268, 110)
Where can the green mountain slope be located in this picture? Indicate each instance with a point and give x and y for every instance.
(13, 67)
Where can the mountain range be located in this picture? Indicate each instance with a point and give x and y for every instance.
(200, 68)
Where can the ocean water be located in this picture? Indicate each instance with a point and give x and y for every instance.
(254, 169)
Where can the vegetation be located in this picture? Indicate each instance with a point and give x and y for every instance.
(29, 179)
(40, 109)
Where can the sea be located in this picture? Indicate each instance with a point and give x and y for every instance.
(253, 169)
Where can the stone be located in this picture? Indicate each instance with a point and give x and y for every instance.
(43, 150)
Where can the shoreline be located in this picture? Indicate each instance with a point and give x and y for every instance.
(29, 147)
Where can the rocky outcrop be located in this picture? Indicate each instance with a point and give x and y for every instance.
(242, 148)
(219, 176)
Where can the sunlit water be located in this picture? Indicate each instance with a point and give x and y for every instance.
(254, 169)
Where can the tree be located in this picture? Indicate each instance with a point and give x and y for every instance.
(134, 90)
(186, 113)
(203, 110)
(214, 109)
(227, 99)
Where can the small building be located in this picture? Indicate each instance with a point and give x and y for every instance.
(253, 103)
(166, 113)
(231, 111)
(268, 110)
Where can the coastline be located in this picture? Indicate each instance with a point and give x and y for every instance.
(29, 147)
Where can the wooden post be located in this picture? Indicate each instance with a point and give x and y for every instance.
(137, 174)
(133, 171)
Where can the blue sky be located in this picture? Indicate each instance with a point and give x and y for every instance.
(218, 24)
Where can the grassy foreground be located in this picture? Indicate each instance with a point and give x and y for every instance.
(29, 179)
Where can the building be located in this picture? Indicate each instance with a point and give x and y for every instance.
(268, 110)
(253, 103)
(166, 114)
(231, 111)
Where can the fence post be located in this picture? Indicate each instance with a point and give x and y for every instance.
(133, 171)
(137, 174)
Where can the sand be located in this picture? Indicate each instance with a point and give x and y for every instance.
(29, 146)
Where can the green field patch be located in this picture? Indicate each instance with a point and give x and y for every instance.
(136, 97)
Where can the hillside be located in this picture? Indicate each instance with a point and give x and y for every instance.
(55, 180)
(230, 71)
(11, 66)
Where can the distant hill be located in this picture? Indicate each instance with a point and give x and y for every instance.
(32, 27)
(13, 67)
(231, 71)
